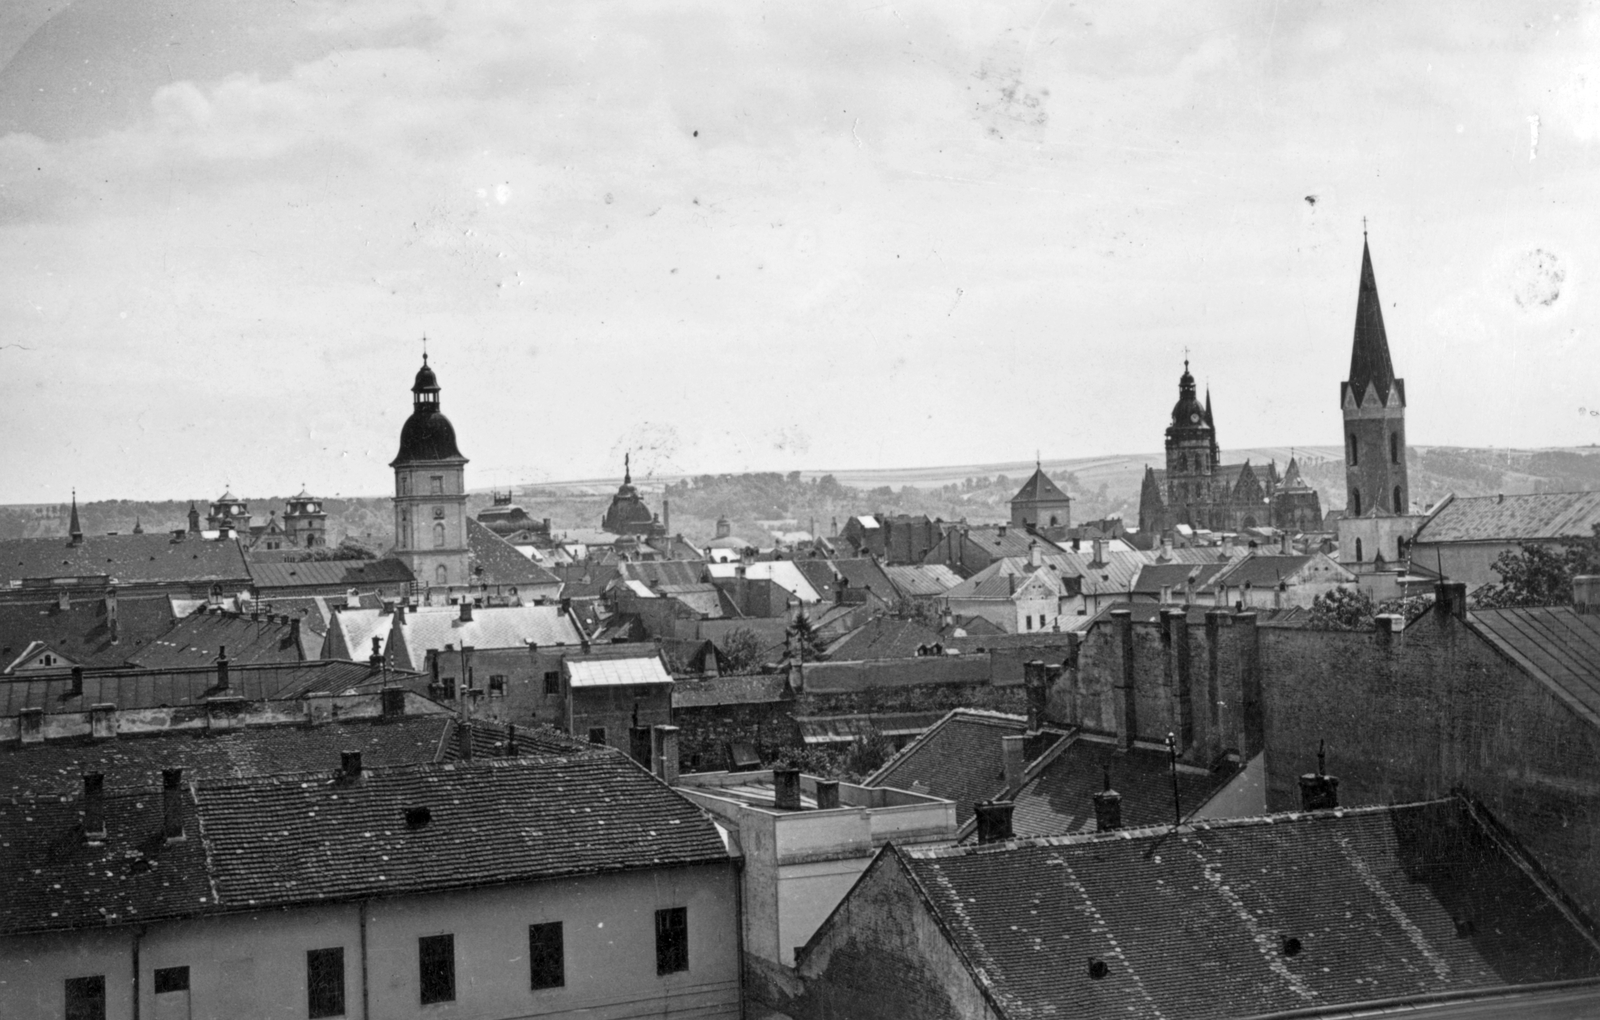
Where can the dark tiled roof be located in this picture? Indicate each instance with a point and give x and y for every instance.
(1259, 571)
(1544, 515)
(195, 640)
(1039, 489)
(493, 560)
(81, 632)
(311, 837)
(1154, 576)
(883, 637)
(654, 572)
(1014, 542)
(959, 758)
(312, 611)
(152, 688)
(1060, 798)
(922, 579)
(331, 573)
(729, 690)
(126, 559)
(863, 573)
(1196, 923)
(1556, 644)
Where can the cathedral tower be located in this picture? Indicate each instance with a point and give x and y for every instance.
(1191, 457)
(1374, 404)
(430, 495)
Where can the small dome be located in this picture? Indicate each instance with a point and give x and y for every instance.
(426, 380)
(1187, 412)
(426, 435)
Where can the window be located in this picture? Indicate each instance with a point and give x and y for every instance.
(441, 576)
(404, 481)
(86, 996)
(325, 982)
(1394, 447)
(546, 958)
(1398, 508)
(1355, 504)
(1358, 550)
(436, 484)
(552, 681)
(497, 685)
(1351, 453)
(436, 968)
(438, 536)
(672, 940)
(47, 659)
(176, 979)
(1054, 520)
(597, 734)
(1030, 621)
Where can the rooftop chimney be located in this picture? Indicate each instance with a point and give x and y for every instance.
(1036, 682)
(1450, 597)
(222, 667)
(1586, 594)
(827, 794)
(994, 820)
(94, 806)
(1318, 790)
(375, 660)
(664, 744)
(1013, 754)
(64, 600)
(350, 764)
(112, 623)
(464, 740)
(1107, 807)
(1099, 550)
(76, 690)
(786, 789)
(393, 703)
(172, 804)
(466, 611)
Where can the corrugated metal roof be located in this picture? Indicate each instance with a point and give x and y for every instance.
(644, 669)
(923, 579)
(1543, 515)
(1557, 644)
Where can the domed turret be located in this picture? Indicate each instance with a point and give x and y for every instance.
(427, 435)
(430, 492)
(1188, 411)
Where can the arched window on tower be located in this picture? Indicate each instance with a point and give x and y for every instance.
(1183, 462)
(441, 576)
(1355, 505)
(438, 536)
(1351, 455)
(1397, 507)
(404, 538)
(1358, 552)
(1394, 447)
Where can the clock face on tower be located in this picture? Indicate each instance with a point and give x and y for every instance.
(1194, 417)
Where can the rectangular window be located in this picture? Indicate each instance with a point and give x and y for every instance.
(552, 682)
(497, 685)
(597, 734)
(86, 998)
(547, 960)
(436, 484)
(171, 979)
(325, 982)
(672, 940)
(436, 968)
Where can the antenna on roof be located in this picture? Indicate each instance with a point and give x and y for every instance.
(1172, 761)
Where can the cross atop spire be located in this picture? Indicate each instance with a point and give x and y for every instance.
(424, 348)
(74, 529)
(627, 468)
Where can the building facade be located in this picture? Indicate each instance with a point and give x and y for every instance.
(430, 496)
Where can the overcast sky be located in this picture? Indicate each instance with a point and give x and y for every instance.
(746, 236)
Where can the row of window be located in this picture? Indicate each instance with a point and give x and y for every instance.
(445, 689)
(436, 969)
(435, 485)
(1353, 453)
(1355, 502)
(404, 533)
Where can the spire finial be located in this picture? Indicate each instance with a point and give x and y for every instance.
(627, 468)
(424, 348)
(1363, 228)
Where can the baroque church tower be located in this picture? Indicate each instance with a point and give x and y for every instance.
(1374, 405)
(430, 494)
(1191, 457)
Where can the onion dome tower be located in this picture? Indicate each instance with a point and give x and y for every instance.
(430, 495)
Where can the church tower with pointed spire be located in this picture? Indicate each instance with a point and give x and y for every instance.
(430, 493)
(1374, 406)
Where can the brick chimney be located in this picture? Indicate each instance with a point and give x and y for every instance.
(94, 806)
(112, 623)
(786, 789)
(222, 667)
(172, 804)
(1014, 754)
(64, 600)
(1450, 597)
(464, 740)
(76, 690)
(1036, 682)
(994, 820)
(1318, 790)
(375, 660)
(349, 764)
(827, 794)
(466, 610)
(1099, 552)
(664, 746)
(1107, 807)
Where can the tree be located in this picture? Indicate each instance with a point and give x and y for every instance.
(805, 635)
(740, 651)
(1534, 576)
(1342, 609)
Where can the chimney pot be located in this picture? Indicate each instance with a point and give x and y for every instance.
(994, 820)
(786, 789)
(464, 740)
(1107, 807)
(664, 744)
(76, 689)
(466, 611)
(827, 794)
(172, 804)
(350, 764)
(222, 667)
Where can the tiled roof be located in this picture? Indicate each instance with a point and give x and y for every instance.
(126, 559)
(492, 560)
(196, 639)
(864, 573)
(1004, 540)
(312, 837)
(883, 637)
(1153, 577)
(1039, 489)
(1544, 515)
(958, 758)
(433, 627)
(328, 573)
(1381, 903)
(82, 633)
(923, 580)
(313, 611)
(1556, 644)
(1060, 798)
(1005, 578)
(352, 630)
(583, 671)
(1262, 571)
(782, 573)
(654, 572)
(152, 688)
(729, 690)
(706, 599)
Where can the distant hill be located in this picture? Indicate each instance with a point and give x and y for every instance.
(762, 502)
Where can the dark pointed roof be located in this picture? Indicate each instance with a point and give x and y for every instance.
(74, 529)
(1040, 489)
(427, 435)
(1369, 354)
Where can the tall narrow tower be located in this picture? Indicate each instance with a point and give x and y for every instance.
(1191, 457)
(430, 495)
(1374, 404)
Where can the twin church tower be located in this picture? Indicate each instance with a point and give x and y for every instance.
(1198, 490)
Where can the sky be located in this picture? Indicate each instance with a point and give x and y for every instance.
(759, 236)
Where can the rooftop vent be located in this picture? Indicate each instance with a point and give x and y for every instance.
(1291, 946)
(1098, 968)
(350, 764)
(418, 817)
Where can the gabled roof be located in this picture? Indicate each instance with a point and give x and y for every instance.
(656, 572)
(328, 573)
(1524, 518)
(864, 574)
(1557, 645)
(1008, 578)
(1266, 571)
(1040, 489)
(196, 639)
(1381, 903)
(82, 632)
(314, 838)
(1369, 351)
(707, 600)
(431, 628)
(125, 559)
(1152, 577)
(922, 579)
(152, 688)
(958, 758)
(883, 637)
(782, 573)
(585, 671)
(494, 561)
(1000, 539)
